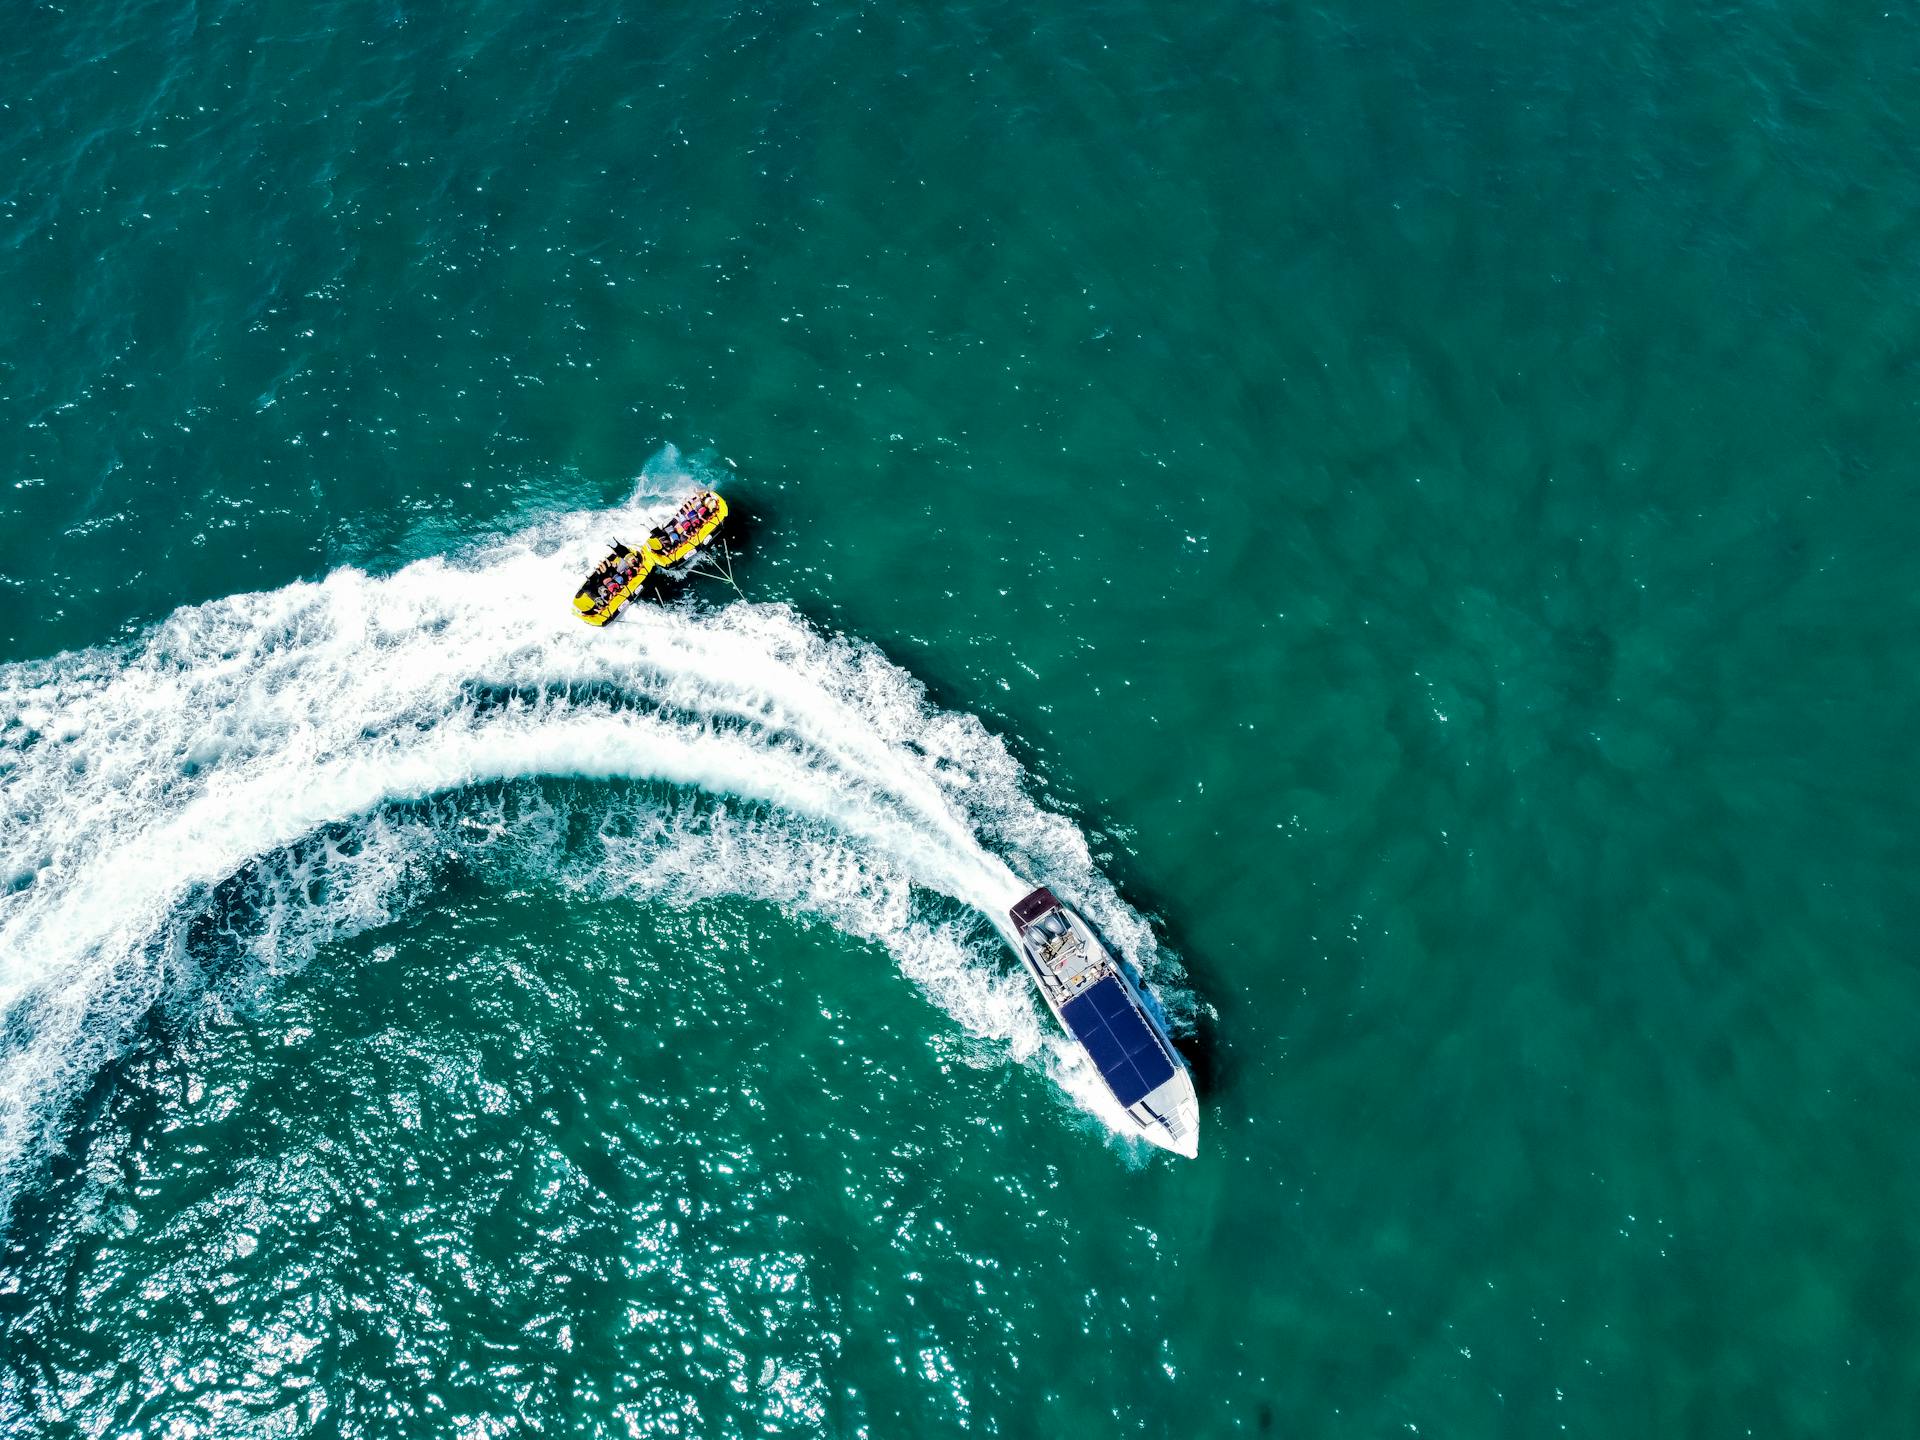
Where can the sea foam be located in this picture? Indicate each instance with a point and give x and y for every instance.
(322, 746)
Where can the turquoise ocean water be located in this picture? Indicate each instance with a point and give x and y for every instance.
(1405, 512)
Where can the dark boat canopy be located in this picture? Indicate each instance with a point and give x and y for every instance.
(1033, 907)
(1124, 1048)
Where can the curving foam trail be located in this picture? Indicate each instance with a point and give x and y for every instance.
(276, 741)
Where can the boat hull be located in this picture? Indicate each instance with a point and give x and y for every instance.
(1097, 1004)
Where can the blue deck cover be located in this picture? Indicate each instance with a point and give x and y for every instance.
(1123, 1046)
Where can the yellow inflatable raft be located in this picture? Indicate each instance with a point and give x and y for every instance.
(626, 571)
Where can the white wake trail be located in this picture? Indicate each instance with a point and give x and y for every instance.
(137, 781)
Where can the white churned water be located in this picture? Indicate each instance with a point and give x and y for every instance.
(274, 741)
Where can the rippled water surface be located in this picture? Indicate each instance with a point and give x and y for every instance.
(1404, 512)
